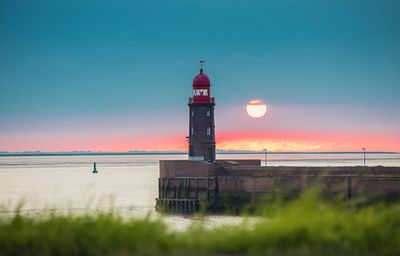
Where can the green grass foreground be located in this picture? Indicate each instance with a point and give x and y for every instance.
(307, 226)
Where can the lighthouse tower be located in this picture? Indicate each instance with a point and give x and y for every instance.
(201, 120)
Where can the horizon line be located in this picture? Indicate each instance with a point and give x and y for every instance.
(140, 152)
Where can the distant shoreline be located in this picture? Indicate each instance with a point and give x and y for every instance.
(4, 154)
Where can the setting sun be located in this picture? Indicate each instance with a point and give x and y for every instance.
(256, 108)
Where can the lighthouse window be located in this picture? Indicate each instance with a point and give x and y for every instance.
(192, 130)
(208, 113)
(200, 92)
(192, 113)
(208, 131)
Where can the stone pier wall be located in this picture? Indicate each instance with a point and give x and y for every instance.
(241, 182)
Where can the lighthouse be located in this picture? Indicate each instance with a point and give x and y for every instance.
(201, 119)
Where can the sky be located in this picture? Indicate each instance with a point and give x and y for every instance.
(115, 75)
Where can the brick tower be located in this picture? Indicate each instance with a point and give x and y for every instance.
(201, 120)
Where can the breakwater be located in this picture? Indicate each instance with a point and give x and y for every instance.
(234, 185)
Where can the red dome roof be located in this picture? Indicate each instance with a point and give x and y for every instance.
(201, 80)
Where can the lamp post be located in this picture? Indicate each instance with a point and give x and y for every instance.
(265, 156)
(363, 149)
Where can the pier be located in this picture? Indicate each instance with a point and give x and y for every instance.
(237, 185)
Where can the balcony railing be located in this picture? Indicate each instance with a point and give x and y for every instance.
(201, 100)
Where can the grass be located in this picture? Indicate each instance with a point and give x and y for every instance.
(306, 226)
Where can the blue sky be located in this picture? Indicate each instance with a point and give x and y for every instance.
(79, 60)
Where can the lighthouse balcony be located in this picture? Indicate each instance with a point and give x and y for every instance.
(201, 99)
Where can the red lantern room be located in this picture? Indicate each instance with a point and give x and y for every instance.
(201, 88)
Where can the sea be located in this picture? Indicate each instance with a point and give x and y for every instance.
(128, 183)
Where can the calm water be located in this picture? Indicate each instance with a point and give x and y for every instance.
(126, 183)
